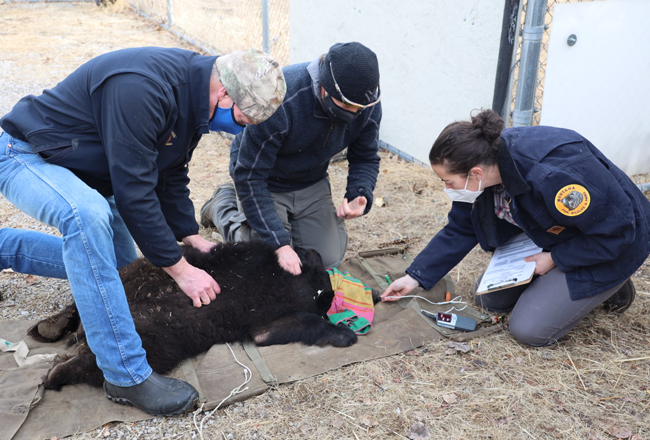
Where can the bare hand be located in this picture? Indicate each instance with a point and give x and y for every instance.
(353, 209)
(198, 242)
(544, 262)
(400, 287)
(200, 287)
(289, 259)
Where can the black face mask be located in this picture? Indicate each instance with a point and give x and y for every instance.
(336, 113)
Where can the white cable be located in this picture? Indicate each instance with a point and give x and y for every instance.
(248, 375)
(455, 300)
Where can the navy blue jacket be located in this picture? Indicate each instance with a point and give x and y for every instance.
(126, 123)
(598, 235)
(292, 149)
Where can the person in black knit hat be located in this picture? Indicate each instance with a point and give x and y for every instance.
(281, 192)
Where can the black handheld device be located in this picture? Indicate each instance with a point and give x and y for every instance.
(452, 321)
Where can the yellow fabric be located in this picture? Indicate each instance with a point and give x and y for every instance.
(352, 294)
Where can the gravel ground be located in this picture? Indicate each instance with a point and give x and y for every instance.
(593, 384)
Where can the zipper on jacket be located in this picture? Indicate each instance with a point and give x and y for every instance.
(328, 135)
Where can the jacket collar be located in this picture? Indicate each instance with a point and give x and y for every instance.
(199, 78)
(512, 180)
(313, 69)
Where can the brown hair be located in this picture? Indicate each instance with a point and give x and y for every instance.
(463, 145)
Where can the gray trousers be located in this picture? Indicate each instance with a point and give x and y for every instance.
(542, 311)
(308, 214)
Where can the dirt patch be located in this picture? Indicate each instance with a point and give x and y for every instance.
(594, 384)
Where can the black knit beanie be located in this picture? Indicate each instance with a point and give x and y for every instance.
(356, 71)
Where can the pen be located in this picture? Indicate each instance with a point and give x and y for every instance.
(501, 283)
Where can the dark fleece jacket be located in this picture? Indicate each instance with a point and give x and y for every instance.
(292, 149)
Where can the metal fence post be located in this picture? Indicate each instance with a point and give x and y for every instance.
(529, 63)
(170, 17)
(265, 26)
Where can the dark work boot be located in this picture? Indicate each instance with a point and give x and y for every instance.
(158, 395)
(224, 195)
(621, 300)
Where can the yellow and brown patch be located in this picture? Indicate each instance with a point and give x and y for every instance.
(572, 200)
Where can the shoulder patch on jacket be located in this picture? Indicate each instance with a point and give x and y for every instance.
(572, 200)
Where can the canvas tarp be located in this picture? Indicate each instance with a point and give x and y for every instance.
(28, 413)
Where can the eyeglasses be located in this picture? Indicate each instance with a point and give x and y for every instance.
(352, 103)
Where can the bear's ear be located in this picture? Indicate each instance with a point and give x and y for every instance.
(324, 300)
(310, 258)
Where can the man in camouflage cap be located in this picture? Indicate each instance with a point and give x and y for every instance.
(254, 81)
(112, 143)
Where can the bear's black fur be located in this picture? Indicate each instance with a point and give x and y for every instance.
(258, 300)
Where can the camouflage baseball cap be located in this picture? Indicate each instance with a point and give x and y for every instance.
(254, 81)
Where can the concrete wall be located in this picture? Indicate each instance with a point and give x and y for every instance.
(437, 58)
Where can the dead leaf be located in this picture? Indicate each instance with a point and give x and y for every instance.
(418, 187)
(306, 429)
(336, 422)
(367, 421)
(503, 420)
(453, 347)
(30, 279)
(106, 432)
(618, 431)
(450, 398)
(418, 431)
(551, 429)
(592, 436)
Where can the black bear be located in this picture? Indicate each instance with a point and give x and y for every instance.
(258, 300)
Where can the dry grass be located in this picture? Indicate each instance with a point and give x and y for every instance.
(595, 383)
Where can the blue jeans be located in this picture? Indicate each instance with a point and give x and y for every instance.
(94, 243)
(36, 253)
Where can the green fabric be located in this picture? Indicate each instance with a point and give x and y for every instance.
(349, 319)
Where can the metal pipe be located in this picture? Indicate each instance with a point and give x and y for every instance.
(529, 63)
(170, 16)
(265, 26)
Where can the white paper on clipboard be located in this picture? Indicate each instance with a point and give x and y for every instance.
(507, 267)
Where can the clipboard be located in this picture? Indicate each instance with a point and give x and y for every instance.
(507, 267)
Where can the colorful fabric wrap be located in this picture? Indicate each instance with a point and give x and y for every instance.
(352, 305)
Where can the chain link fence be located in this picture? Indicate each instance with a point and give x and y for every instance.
(222, 26)
(541, 73)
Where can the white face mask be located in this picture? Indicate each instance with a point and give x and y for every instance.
(464, 195)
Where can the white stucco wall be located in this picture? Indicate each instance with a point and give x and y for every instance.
(437, 58)
(599, 86)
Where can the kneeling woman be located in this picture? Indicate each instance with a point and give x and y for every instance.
(587, 215)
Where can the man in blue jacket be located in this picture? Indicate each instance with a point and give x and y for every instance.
(103, 157)
(279, 167)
